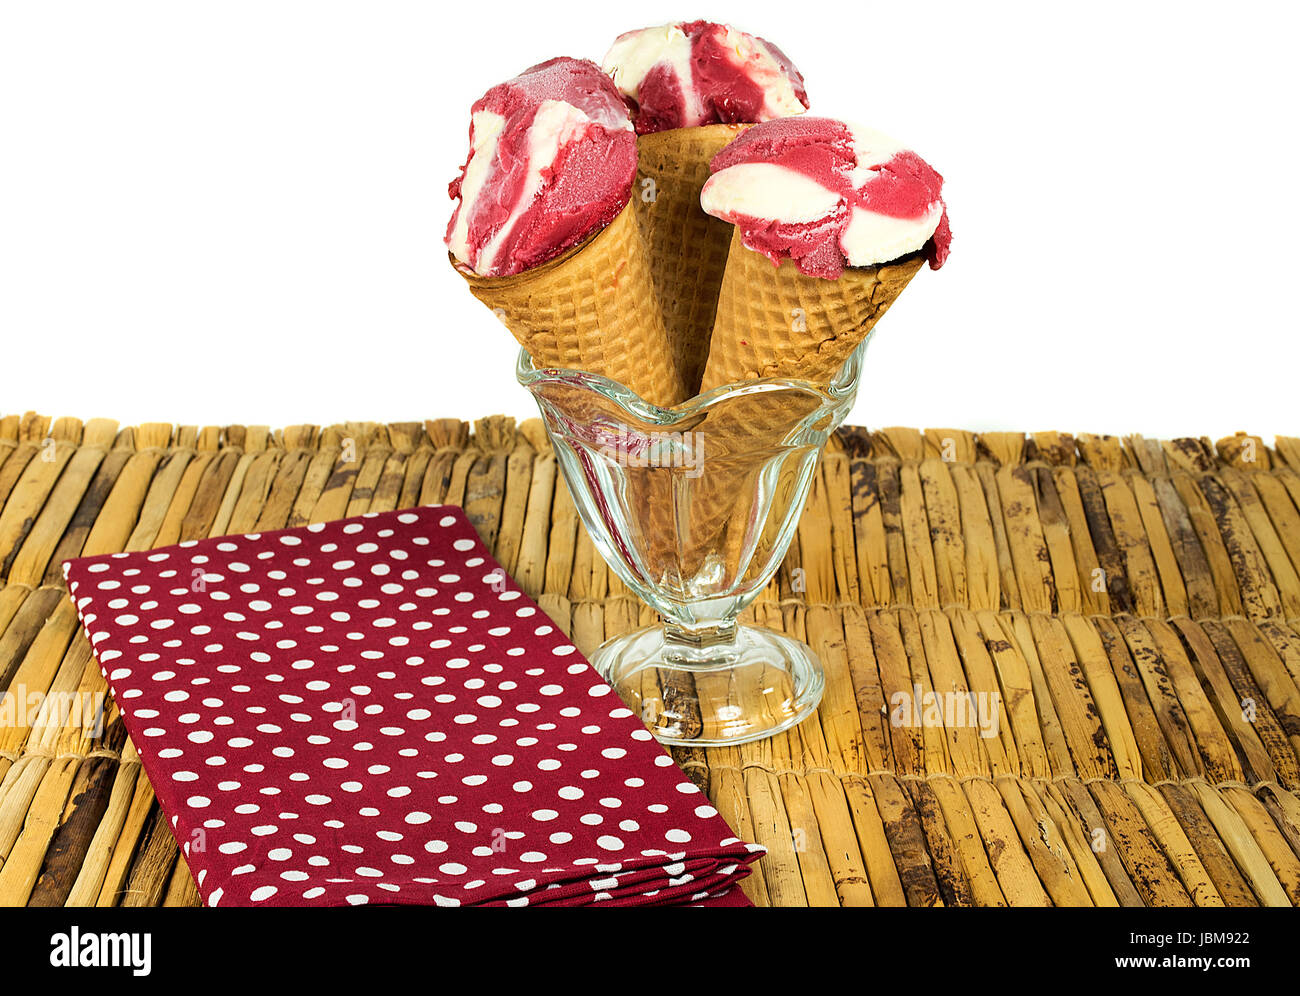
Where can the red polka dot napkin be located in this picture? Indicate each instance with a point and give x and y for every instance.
(371, 711)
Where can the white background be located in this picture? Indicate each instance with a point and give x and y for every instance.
(233, 212)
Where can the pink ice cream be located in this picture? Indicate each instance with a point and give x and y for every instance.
(699, 73)
(552, 159)
(828, 195)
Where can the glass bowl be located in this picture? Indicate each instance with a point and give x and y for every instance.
(694, 507)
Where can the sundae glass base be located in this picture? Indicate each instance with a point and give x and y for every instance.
(754, 685)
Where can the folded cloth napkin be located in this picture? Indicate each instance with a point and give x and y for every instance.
(371, 711)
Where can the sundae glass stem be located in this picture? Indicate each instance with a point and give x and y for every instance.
(703, 643)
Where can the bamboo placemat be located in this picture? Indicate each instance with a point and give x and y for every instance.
(1133, 604)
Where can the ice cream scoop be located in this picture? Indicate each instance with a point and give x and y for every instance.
(827, 194)
(698, 73)
(552, 159)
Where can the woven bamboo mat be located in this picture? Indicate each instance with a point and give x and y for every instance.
(1131, 609)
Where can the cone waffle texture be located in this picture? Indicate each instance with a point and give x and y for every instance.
(587, 310)
(749, 475)
(688, 248)
(773, 321)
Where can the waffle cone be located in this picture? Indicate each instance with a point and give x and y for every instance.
(589, 309)
(773, 321)
(687, 248)
(746, 467)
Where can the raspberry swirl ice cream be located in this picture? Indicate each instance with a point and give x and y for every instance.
(699, 73)
(552, 159)
(827, 195)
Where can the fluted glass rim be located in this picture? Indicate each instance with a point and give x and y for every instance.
(841, 388)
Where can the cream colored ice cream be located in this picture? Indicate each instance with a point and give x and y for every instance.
(698, 73)
(828, 194)
(552, 158)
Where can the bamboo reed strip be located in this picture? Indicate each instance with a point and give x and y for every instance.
(88, 799)
(1074, 704)
(869, 535)
(23, 863)
(1017, 694)
(835, 470)
(965, 758)
(1024, 533)
(1216, 750)
(1192, 558)
(1270, 674)
(1056, 535)
(906, 841)
(1244, 848)
(1163, 695)
(1260, 597)
(1284, 807)
(728, 795)
(1078, 845)
(977, 872)
(1018, 627)
(950, 874)
(1081, 809)
(19, 788)
(1214, 856)
(1113, 580)
(839, 712)
(844, 858)
(1000, 751)
(1044, 844)
(1010, 861)
(809, 847)
(1148, 866)
(36, 672)
(1157, 760)
(1173, 840)
(153, 864)
(1268, 543)
(1248, 734)
(1273, 843)
(95, 865)
(1116, 732)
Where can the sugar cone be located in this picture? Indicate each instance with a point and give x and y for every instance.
(776, 322)
(688, 248)
(591, 309)
(747, 474)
